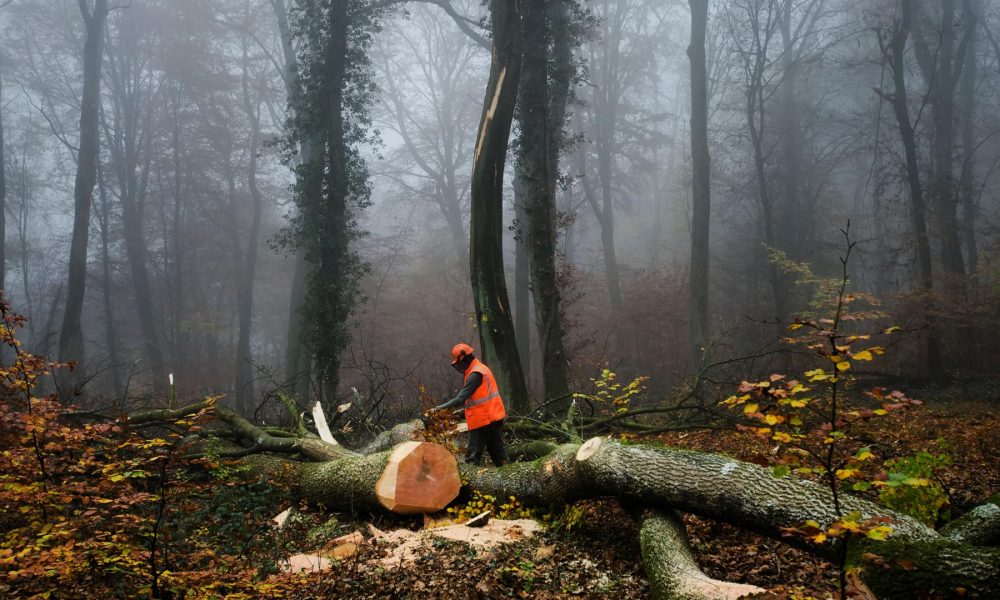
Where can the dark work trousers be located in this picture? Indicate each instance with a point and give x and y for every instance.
(490, 438)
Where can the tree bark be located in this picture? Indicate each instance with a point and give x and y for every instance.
(701, 195)
(489, 287)
(71, 346)
(541, 112)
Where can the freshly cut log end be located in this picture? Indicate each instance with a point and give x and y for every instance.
(420, 477)
(588, 448)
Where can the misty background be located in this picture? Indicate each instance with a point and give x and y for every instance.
(187, 274)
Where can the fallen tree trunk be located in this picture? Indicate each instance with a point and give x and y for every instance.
(914, 560)
(421, 477)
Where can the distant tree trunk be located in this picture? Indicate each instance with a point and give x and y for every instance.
(3, 199)
(942, 67)
(895, 52)
(244, 366)
(967, 182)
(178, 337)
(71, 335)
(756, 63)
(110, 335)
(489, 287)
(297, 355)
(796, 223)
(541, 112)
(701, 195)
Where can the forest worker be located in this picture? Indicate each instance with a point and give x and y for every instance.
(484, 411)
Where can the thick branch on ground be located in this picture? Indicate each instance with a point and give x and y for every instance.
(169, 414)
(672, 571)
(312, 447)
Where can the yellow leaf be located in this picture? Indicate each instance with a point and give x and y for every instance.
(781, 436)
(751, 408)
(846, 473)
(863, 355)
(794, 326)
(843, 365)
(879, 533)
(817, 375)
(773, 419)
(892, 329)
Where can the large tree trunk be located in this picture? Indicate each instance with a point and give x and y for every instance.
(489, 286)
(701, 196)
(71, 336)
(541, 112)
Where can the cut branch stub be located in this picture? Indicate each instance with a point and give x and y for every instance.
(419, 478)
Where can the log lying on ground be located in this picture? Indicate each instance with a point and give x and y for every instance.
(412, 478)
(914, 560)
(670, 566)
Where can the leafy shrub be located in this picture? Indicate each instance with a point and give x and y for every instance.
(909, 487)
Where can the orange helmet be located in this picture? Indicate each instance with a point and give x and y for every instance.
(459, 351)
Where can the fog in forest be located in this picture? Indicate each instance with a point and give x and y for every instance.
(176, 206)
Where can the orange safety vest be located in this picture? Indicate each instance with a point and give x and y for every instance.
(484, 406)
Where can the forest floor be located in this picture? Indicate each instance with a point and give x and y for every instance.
(599, 555)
